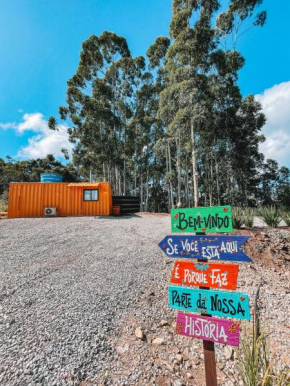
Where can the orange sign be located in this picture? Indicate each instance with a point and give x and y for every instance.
(196, 274)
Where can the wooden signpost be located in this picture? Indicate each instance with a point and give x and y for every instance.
(211, 329)
(212, 219)
(204, 302)
(219, 247)
(196, 274)
(219, 303)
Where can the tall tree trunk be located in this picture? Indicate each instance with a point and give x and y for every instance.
(120, 183)
(141, 192)
(170, 171)
(217, 179)
(124, 193)
(108, 171)
(178, 167)
(104, 172)
(147, 191)
(211, 183)
(194, 169)
(186, 184)
(116, 180)
(125, 160)
(135, 182)
(167, 171)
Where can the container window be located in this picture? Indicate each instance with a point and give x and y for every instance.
(91, 195)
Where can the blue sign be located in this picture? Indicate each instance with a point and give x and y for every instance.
(50, 177)
(206, 247)
(220, 303)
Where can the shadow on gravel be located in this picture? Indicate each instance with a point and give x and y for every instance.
(121, 217)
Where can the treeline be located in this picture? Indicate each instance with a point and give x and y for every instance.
(29, 171)
(273, 187)
(173, 127)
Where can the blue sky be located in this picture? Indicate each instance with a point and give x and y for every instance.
(39, 52)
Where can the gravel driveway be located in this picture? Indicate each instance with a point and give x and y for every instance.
(65, 284)
(73, 291)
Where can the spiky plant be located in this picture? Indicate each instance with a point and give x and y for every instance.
(286, 217)
(248, 214)
(271, 215)
(237, 217)
(257, 367)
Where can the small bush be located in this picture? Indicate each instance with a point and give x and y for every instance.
(257, 367)
(248, 214)
(286, 217)
(271, 215)
(3, 205)
(237, 218)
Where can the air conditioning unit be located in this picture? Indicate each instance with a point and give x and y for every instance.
(49, 212)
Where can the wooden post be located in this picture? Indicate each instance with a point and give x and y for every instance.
(208, 350)
(209, 357)
(209, 363)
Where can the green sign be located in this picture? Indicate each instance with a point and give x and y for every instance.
(208, 220)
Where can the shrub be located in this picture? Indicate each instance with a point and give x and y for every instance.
(3, 205)
(248, 214)
(271, 215)
(237, 218)
(286, 218)
(257, 367)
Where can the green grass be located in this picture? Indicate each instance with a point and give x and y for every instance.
(271, 215)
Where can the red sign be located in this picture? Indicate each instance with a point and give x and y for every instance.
(196, 274)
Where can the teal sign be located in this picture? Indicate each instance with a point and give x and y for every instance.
(219, 303)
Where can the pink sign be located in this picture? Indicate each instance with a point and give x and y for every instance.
(208, 328)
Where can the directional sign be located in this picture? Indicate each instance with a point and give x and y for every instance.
(212, 329)
(220, 247)
(209, 220)
(196, 274)
(219, 303)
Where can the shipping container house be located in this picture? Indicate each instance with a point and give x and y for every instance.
(29, 199)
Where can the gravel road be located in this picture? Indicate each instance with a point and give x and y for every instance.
(73, 291)
(65, 284)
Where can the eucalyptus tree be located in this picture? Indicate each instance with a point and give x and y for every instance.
(202, 97)
(184, 95)
(98, 106)
(240, 120)
(148, 129)
(189, 62)
(130, 73)
(274, 184)
(156, 54)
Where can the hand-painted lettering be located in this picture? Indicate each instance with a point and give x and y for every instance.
(202, 327)
(211, 302)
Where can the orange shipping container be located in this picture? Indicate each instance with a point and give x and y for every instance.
(29, 199)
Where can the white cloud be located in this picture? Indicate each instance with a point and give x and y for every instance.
(9, 125)
(276, 106)
(45, 141)
(33, 122)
